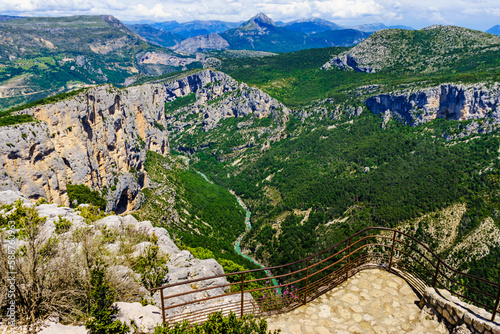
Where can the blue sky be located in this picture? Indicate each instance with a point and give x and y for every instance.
(475, 14)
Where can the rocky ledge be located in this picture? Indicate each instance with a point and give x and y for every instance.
(121, 239)
(464, 317)
(447, 101)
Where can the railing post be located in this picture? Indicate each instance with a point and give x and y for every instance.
(392, 250)
(496, 305)
(307, 281)
(162, 305)
(348, 260)
(434, 282)
(242, 293)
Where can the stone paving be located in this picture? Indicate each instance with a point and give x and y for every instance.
(372, 301)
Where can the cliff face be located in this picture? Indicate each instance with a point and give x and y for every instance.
(202, 43)
(98, 138)
(448, 101)
(30, 163)
(227, 116)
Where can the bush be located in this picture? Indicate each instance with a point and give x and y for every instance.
(102, 310)
(151, 265)
(217, 323)
(83, 195)
(91, 213)
(62, 225)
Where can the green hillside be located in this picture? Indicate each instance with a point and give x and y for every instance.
(430, 50)
(41, 56)
(337, 169)
(296, 78)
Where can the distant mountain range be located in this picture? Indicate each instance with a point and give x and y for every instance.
(260, 33)
(41, 56)
(195, 28)
(307, 26)
(9, 18)
(311, 26)
(156, 36)
(494, 30)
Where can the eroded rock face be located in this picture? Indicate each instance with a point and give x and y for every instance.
(165, 59)
(202, 43)
(98, 138)
(226, 98)
(182, 266)
(448, 101)
(29, 162)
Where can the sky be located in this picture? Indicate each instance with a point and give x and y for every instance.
(474, 14)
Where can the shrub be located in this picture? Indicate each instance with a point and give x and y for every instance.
(83, 195)
(217, 323)
(91, 213)
(151, 265)
(62, 225)
(102, 310)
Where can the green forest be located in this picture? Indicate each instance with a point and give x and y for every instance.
(410, 172)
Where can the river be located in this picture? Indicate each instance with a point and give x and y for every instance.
(248, 226)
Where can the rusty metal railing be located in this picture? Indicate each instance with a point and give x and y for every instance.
(304, 280)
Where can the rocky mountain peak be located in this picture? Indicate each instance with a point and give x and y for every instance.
(260, 20)
(434, 26)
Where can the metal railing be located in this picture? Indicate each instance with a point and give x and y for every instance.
(304, 280)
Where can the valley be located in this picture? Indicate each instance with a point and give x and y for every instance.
(394, 128)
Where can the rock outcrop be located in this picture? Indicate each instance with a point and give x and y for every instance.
(98, 138)
(127, 243)
(202, 43)
(227, 98)
(464, 318)
(164, 59)
(448, 101)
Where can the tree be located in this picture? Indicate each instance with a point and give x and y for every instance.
(102, 310)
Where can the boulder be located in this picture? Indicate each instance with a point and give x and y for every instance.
(145, 318)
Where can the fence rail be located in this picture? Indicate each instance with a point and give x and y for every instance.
(304, 280)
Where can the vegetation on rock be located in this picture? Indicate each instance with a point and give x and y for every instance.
(217, 323)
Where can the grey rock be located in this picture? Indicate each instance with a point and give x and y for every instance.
(94, 138)
(11, 196)
(110, 222)
(146, 318)
(57, 328)
(462, 329)
(181, 264)
(165, 59)
(226, 98)
(448, 101)
(347, 61)
(29, 162)
(202, 43)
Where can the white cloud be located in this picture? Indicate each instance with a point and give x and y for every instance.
(482, 11)
(348, 9)
(409, 12)
(287, 10)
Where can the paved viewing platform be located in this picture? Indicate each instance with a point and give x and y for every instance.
(372, 301)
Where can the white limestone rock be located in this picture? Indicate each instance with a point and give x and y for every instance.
(146, 318)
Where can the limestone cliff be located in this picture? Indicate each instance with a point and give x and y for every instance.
(257, 119)
(448, 101)
(98, 138)
(202, 43)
